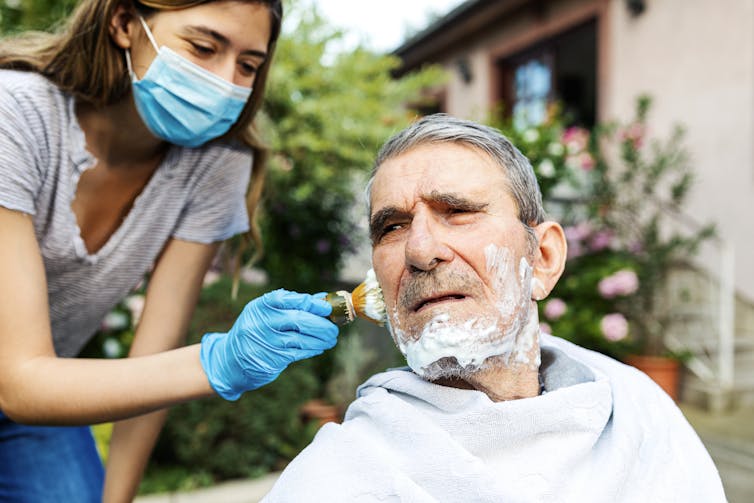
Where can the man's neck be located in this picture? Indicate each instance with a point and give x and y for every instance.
(502, 380)
(503, 383)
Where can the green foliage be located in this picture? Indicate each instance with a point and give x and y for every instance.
(586, 307)
(555, 160)
(101, 433)
(363, 350)
(258, 433)
(325, 117)
(21, 15)
(161, 479)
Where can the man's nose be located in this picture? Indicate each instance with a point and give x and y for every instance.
(425, 245)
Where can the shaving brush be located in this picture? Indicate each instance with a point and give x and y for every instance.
(364, 302)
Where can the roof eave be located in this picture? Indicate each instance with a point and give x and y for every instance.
(467, 19)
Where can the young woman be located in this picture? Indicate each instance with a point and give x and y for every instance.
(126, 144)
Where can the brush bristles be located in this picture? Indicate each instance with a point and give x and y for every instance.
(368, 302)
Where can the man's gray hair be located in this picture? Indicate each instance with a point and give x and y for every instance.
(442, 128)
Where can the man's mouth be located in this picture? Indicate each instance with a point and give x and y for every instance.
(437, 299)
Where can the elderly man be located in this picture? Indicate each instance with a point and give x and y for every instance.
(490, 408)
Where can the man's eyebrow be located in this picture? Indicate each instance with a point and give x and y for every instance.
(388, 213)
(454, 201)
(219, 37)
(384, 215)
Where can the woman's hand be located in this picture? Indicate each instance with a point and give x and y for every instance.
(272, 331)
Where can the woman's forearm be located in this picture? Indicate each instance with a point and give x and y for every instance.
(49, 390)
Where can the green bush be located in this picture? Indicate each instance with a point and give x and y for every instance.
(260, 432)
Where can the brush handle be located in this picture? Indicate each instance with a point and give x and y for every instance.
(342, 307)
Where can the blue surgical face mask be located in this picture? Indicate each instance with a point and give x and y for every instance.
(183, 103)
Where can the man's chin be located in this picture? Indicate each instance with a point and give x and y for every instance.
(448, 368)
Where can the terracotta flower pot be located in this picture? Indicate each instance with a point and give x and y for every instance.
(320, 411)
(662, 370)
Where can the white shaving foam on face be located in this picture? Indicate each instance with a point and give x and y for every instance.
(470, 342)
(513, 289)
(509, 330)
(537, 285)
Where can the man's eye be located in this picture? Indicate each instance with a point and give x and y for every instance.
(390, 228)
(460, 211)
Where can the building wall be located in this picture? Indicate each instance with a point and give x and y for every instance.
(474, 100)
(469, 100)
(696, 59)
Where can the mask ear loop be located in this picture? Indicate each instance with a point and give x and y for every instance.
(149, 34)
(151, 40)
(129, 66)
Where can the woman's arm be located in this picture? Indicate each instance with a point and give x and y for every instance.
(38, 387)
(171, 297)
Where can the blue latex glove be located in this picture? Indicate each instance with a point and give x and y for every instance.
(271, 332)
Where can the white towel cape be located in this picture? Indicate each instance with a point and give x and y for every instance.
(602, 432)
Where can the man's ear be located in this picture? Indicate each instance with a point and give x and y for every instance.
(121, 26)
(549, 260)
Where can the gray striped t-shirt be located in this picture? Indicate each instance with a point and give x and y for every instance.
(195, 195)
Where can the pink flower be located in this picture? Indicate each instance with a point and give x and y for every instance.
(600, 240)
(636, 247)
(578, 232)
(555, 308)
(575, 139)
(576, 235)
(582, 160)
(635, 134)
(586, 161)
(545, 328)
(135, 304)
(575, 250)
(621, 283)
(614, 327)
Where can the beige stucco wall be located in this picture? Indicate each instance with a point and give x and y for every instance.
(469, 100)
(473, 100)
(696, 59)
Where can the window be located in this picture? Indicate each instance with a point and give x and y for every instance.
(532, 81)
(561, 69)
